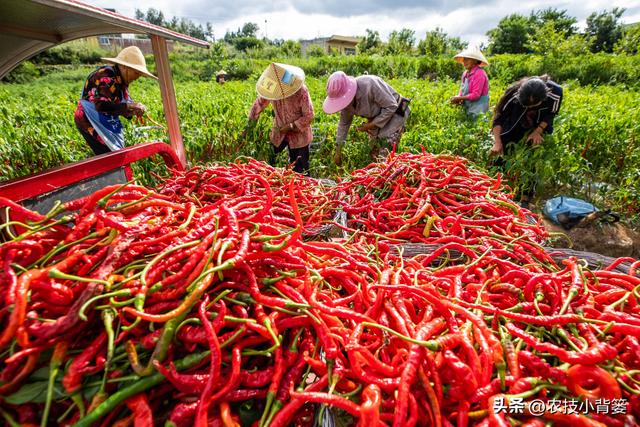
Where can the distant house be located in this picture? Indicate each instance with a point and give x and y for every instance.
(342, 44)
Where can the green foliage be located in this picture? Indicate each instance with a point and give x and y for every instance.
(23, 73)
(630, 41)
(181, 25)
(559, 19)
(401, 42)
(437, 43)
(69, 53)
(605, 29)
(370, 43)
(595, 140)
(316, 51)
(511, 35)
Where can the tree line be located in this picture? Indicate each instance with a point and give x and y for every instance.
(545, 31)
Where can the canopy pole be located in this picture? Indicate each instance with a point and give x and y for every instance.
(168, 94)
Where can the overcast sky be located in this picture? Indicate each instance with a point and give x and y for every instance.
(303, 19)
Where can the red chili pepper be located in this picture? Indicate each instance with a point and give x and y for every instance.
(139, 405)
(592, 382)
(73, 377)
(594, 355)
(370, 406)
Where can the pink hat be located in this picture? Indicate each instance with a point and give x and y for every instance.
(341, 89)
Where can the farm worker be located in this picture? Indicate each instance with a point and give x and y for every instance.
(221, 77)
(282, 86)
(370, 97)
(526, 109)
(474, 89)
(105, 97)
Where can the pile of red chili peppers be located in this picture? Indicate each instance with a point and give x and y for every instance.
(202, 303)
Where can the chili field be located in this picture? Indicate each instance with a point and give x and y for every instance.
(593, 153)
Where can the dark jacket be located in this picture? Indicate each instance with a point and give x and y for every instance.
(515, 118)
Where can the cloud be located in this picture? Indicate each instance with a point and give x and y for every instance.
(301, 19)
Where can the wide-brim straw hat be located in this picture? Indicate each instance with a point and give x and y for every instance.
(473, 53)
(221, 73)
(279, 81)
(133, 58)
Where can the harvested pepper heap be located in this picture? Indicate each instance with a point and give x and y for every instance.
(200, 303)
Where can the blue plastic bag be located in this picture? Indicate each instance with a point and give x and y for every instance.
(567, 211)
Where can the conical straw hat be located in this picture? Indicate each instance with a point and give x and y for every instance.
(473, 53)
(279, 81)
(132, 57)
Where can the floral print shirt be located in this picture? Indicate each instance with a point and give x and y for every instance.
(297, 110)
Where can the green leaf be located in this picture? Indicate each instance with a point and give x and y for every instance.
(31, 392)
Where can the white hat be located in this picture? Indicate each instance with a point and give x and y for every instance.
(133, 58)
(473, 53)
(279, 81)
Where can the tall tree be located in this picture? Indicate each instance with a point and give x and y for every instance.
(155, 16)
(370, 43)
(437, 42)
(401, 41)
(561, 21)
(181, 25)
(250, 29)
(605, 29)
(511, 34)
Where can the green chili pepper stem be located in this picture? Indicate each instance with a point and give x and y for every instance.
(267, 408)
(562, 334)
(262, 239)
(9, 419)
(57, 274)
(431, 345)
(79, 401)
(189, 321)
(132, 203)
(233, 319)
(236, 302)
(114, 380)
(103, 201)
(275, 408)
(53, 373)
(138, 387)
(570, 296)
(622, 300)
(140, 298)
(65, 414)
(276, 340)
(232, 338)
(266, 352)
(536, 390)
(352, 393)
(21, 224)
(108, 317)
(161, 349)
(628, 388)
(117, 304)
(90, 301)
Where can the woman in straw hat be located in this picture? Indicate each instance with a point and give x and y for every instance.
(474, 90)
(370, 97)
(282, 86)
(105, 98)
(221, 77)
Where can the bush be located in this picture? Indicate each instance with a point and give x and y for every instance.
(70, 53)
(23, 73)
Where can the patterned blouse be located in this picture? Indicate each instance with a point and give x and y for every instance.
(296, 109)
(106, 89)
